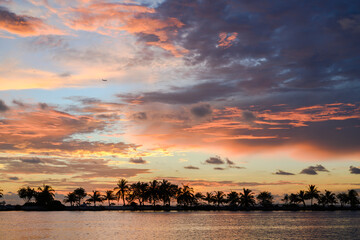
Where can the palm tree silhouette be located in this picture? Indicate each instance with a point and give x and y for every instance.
(233, 198)
(285, 199)
(1, 194)
(353, 198)
(167, 191)
(311, 193)
(153, 192)
(265, 199)
(70, 198)
(109, 195)
(95, 197)
(330, 197)
(185, 195)
(209, 197)
(302, 197)
(26, 193)
(219, 198)
(198, 197)
(45, 195)
(80, 194)
(294, 198)
(343, 198)
(122, 189)
(139, 191)
(247, 198)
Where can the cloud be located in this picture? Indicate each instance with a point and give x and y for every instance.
(75, 168)
(312, 170)
(3, 107)
(191, 167)
(280, 172)
(140, 116)
(219, 168)
(30, 160)
(183, 95)
(23, 25)
(137, 161)
(14, 178)
(201, 110)
(229, 162)
(214, 160)
(141, 21)
(354, 170)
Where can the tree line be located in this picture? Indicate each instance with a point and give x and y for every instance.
(164, 192)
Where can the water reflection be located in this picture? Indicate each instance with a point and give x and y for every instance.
(180, 225)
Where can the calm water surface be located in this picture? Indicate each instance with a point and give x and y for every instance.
(180, 225)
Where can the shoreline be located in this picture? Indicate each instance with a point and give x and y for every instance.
(177, 208)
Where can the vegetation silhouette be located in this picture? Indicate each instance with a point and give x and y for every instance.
(95, 197)
(109, 196)
(247, 198)
(122, 189)
(138, 194)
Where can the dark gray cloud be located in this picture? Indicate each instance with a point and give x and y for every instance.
(237, 167)
(3, 107)
(30, 160)
(14, 178)
(229, 162)
(201, 110)
(148, 37)
(184, 95)
(139, 116)
(312, 170)
(214, 160)
(280, 172)
(354, 170)
(137, 160)
(219, 168)
(191, 167)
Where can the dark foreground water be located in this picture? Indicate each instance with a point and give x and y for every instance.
(180, 225)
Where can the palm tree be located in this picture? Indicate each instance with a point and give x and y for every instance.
(219, 198)
(80, 194)
(294, 198)
(265, 199)
(285, 199)
(209, 197)
(123, 188)
(311, 193)
(233, 198)
(70, 198)
(247, 198)
(153, 192)
(185, 196)
(167, 191)
(45, 195)
(26, 193)
(1, 194)
(198, 197)
(302, 197)
(95, 197)
(353, 198)
(343, 198)
(109, 195)
(330, 197)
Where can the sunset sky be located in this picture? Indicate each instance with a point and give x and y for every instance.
(219, 95)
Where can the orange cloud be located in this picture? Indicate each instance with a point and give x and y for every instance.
(227, 39)
(25, 26)
(110, 18)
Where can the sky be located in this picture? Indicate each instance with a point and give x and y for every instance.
(220, 95)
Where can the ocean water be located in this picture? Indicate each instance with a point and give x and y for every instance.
(180, 225)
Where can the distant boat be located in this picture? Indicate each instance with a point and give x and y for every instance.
(104, 80)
